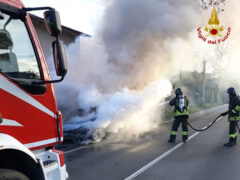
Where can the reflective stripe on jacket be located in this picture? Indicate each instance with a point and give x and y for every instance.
(234, 109)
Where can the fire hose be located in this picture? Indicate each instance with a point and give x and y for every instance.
(204, 129)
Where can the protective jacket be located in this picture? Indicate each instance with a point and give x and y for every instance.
(178, 110)
(233, 109)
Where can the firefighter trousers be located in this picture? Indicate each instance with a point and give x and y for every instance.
(233, 131)
(175, 125)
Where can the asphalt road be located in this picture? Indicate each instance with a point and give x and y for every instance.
(150, 157)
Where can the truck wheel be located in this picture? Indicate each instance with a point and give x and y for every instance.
(9, 174)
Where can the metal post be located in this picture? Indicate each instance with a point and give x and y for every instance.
(203, 82)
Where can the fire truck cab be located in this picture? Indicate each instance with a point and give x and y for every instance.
(30, 123)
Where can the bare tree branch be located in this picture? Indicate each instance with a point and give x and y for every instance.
(218, 4)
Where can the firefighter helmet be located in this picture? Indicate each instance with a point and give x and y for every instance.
(178, 91)
(231, 91)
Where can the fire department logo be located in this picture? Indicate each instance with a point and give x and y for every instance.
(214, 30)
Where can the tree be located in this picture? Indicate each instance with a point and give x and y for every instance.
(219, 64)
(218, 4)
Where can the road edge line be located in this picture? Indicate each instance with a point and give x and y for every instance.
(144, 168)
(159, 158)
(72, 150)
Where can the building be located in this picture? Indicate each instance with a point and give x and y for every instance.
(68, 35)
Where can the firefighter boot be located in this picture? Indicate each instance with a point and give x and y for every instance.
(184, 139)
(172, 138)
(235, 141)
(230, 143)
(184, 136)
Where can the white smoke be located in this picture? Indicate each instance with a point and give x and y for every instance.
(116, 86)
(127, 112)
(136, 34)
(93, 85)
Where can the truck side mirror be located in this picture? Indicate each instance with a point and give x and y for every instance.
(52, 22)
(59, 56)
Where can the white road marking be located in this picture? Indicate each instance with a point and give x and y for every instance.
(83, 147)
(216, 120)
(219, 118)
(144, 168)
(140, 171)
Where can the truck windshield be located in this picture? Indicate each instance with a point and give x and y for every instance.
(17, 56)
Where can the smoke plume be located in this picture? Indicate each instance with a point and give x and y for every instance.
(135, 33)
(115, 86)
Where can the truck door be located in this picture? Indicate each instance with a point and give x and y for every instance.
(28, 111)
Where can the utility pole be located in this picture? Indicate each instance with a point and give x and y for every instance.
(213, 89)
(203, 81)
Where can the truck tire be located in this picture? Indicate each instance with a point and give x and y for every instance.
(9, 174)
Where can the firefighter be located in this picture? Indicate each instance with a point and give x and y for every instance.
(233, 116)
(181, 114)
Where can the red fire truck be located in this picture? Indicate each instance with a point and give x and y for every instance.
(30, 124)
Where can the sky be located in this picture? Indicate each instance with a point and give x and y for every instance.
(81, 15)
